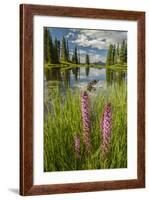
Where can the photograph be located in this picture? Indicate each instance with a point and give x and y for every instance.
(82, 99)
(85, 99)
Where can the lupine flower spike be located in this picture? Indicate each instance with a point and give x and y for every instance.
(106, 124)
(77, 146)
(85, 120)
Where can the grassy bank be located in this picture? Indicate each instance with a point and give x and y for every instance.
(63, 121)
(71, 65)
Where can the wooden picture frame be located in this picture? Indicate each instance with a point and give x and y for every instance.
(27, 12)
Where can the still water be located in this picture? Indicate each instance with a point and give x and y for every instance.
(80, 77)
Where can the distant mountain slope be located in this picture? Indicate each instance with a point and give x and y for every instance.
(100, 63)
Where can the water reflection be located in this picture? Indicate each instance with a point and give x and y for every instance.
(87, 71)
(113, 76)
(76, 72)
(80, 76)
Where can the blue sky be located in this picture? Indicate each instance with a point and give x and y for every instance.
(93, 42)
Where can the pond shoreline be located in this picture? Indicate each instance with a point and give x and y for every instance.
(72, 65)
(81, 77)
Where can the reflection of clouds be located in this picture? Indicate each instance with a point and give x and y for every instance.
(93, 71)
(83, 80)
(94, 74)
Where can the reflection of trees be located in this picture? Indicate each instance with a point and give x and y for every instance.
(113, 76)
(76, 72)
(109, 76)
(66, 78)
(121, 76)
(87, 70)
(53, 74)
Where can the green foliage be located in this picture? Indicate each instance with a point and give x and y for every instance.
(46, 45)
(63, 121)
(67, 51)
(117, 54)
(56, 51)
(114, 54)
(53, 49)
(50, 48)
(109, 60)
(64, 52)
(75, 56)
(123, 52)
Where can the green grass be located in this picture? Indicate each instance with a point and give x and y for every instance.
(63, 121)
(67, 65)
(117, 67)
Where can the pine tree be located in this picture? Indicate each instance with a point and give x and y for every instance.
(72, 59)
(67, 47)
(118, 53)
(87, 59)
(51, 49)
(78, 56)
(114, 54)
(122, 52)
(109, 60)
(64, 56)
(58, 50)
(75, 56)
(125, 53)
(56, 56)
(46, 45)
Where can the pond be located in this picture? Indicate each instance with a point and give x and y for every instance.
(81, 77)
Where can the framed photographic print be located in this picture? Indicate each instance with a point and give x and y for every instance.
(82, 99)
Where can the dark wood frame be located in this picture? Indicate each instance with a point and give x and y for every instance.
(27, 13)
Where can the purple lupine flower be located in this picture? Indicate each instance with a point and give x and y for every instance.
(85, 120)
(77, 146)
(106, 124)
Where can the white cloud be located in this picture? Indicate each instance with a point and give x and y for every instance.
(94, 40)
(98, 39)
(70, 34)
(74, 29)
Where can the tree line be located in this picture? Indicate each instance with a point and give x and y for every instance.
(117, 54)
(56, 51)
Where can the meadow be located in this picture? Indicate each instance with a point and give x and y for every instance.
(63, 123)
